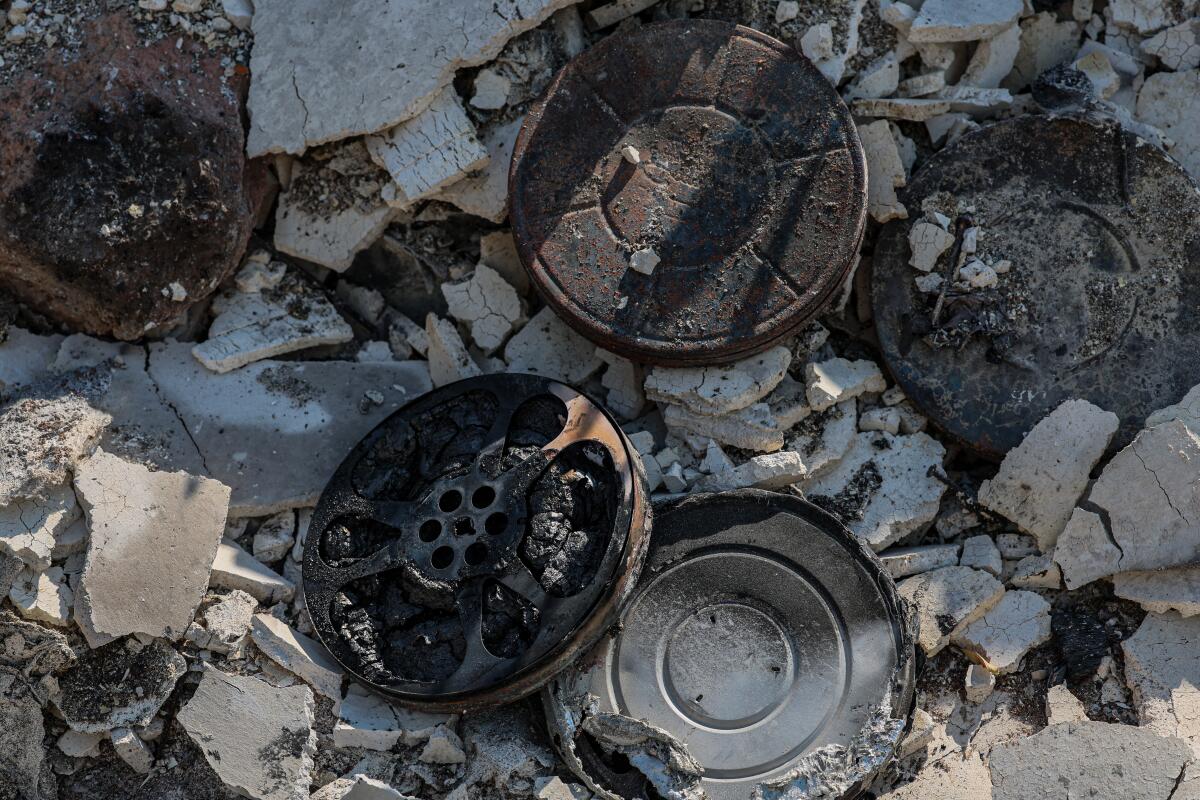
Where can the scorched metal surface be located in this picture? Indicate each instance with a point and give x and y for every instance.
(751, 189)
(764, 638)
(1102, 300)
(476, 542)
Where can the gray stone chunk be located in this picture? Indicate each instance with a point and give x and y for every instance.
(882, 487)
(274, 432)
(1042, 478)
(947, 600)
(258, 738)
(172, 520)
(722, 388)
(400, 53)
(1088, 759)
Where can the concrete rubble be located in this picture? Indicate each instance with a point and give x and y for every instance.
(156, 491)
(257, 738)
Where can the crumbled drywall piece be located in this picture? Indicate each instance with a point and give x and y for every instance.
(901, 562)
(1148, 16)
(173, 520)
(1088, 759)
(963, 20)
(1178, 47)
(42, 597)
(1162, 670)
(927, 241)
(1167, 100)
(980, 552)
(485, 193)
(487, 304)
(331, 239)
(1041, 479)
(831, 382)
(993, 59)
(30, 526)
(234, 568)
(824, 437)
(303, 52)
(979, 684)
(882, 488)
(885, 171)
(225, 624)
(546, 346)
(449, 360)
(624, 381)
(1186, 410)
(1063, 706)
(1007, 631)
(298, 654)
(275, 431)
(498, 250)
(1085, 552)
(880, 419)
(80, 745)
(429, 152)
(274, 538)
(722, 388)
(913, 109)
(123, 684)
(257, 738)
(750, 428)
(368, 720)
(443, 747)
(44, 432)
(490, 90)
(132, 750)
(252, 326)
(1045, 42)
(880, 79)
(947, 600)
(1036, 572)
(1160, 591)
(768, 471)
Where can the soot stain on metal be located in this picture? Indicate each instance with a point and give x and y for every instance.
(486, 521)
(1103, 282)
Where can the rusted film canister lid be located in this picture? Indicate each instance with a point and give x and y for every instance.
(688, 192)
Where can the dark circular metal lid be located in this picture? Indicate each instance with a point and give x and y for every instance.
(750, 189)
(1102, 299)
(764, 637)
(476, 542)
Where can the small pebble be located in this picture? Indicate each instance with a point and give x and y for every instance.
(631, 154)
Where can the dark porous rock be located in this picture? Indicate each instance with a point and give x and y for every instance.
(125, 195)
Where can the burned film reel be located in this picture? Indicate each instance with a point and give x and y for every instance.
(476, 542)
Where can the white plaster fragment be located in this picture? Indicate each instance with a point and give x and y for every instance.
(368, 720)
(644, 261)
(298, 654)
(1044, 42)
(1163, 673)
(30, 526)
(980, 552)
(1167, 100)
(1063, 706)
(331, 241)
(750, 428)
(1041, 479)
(234, 568)
(913, 109)
(487, 304)
(830, 382)
(963, 20)
(449, 360)
(42, 597)
(927, 241)
(885, 171)
(722, 388)
(546, 346)
(947, 600)
(767, 471)
(979, 684)
(880, 419)
(1016, 624)
(624, 380)
(1160, 591)
(901, 562)
(485, 192)
(993, 59)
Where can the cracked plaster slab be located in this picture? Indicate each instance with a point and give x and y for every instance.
(29, 526)
(1009, 630)
(719, 389)
(401, 54)
(487, 304)
(430, 151)
(172, 521)
(1143, 513)
(1163, 673)
(947, 600)
(485, 193)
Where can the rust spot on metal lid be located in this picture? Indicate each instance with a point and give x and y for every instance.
(749, 188)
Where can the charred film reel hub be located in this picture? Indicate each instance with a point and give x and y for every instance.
(476, 542)
(763, 636)
(1102, 300)
(748, 187)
